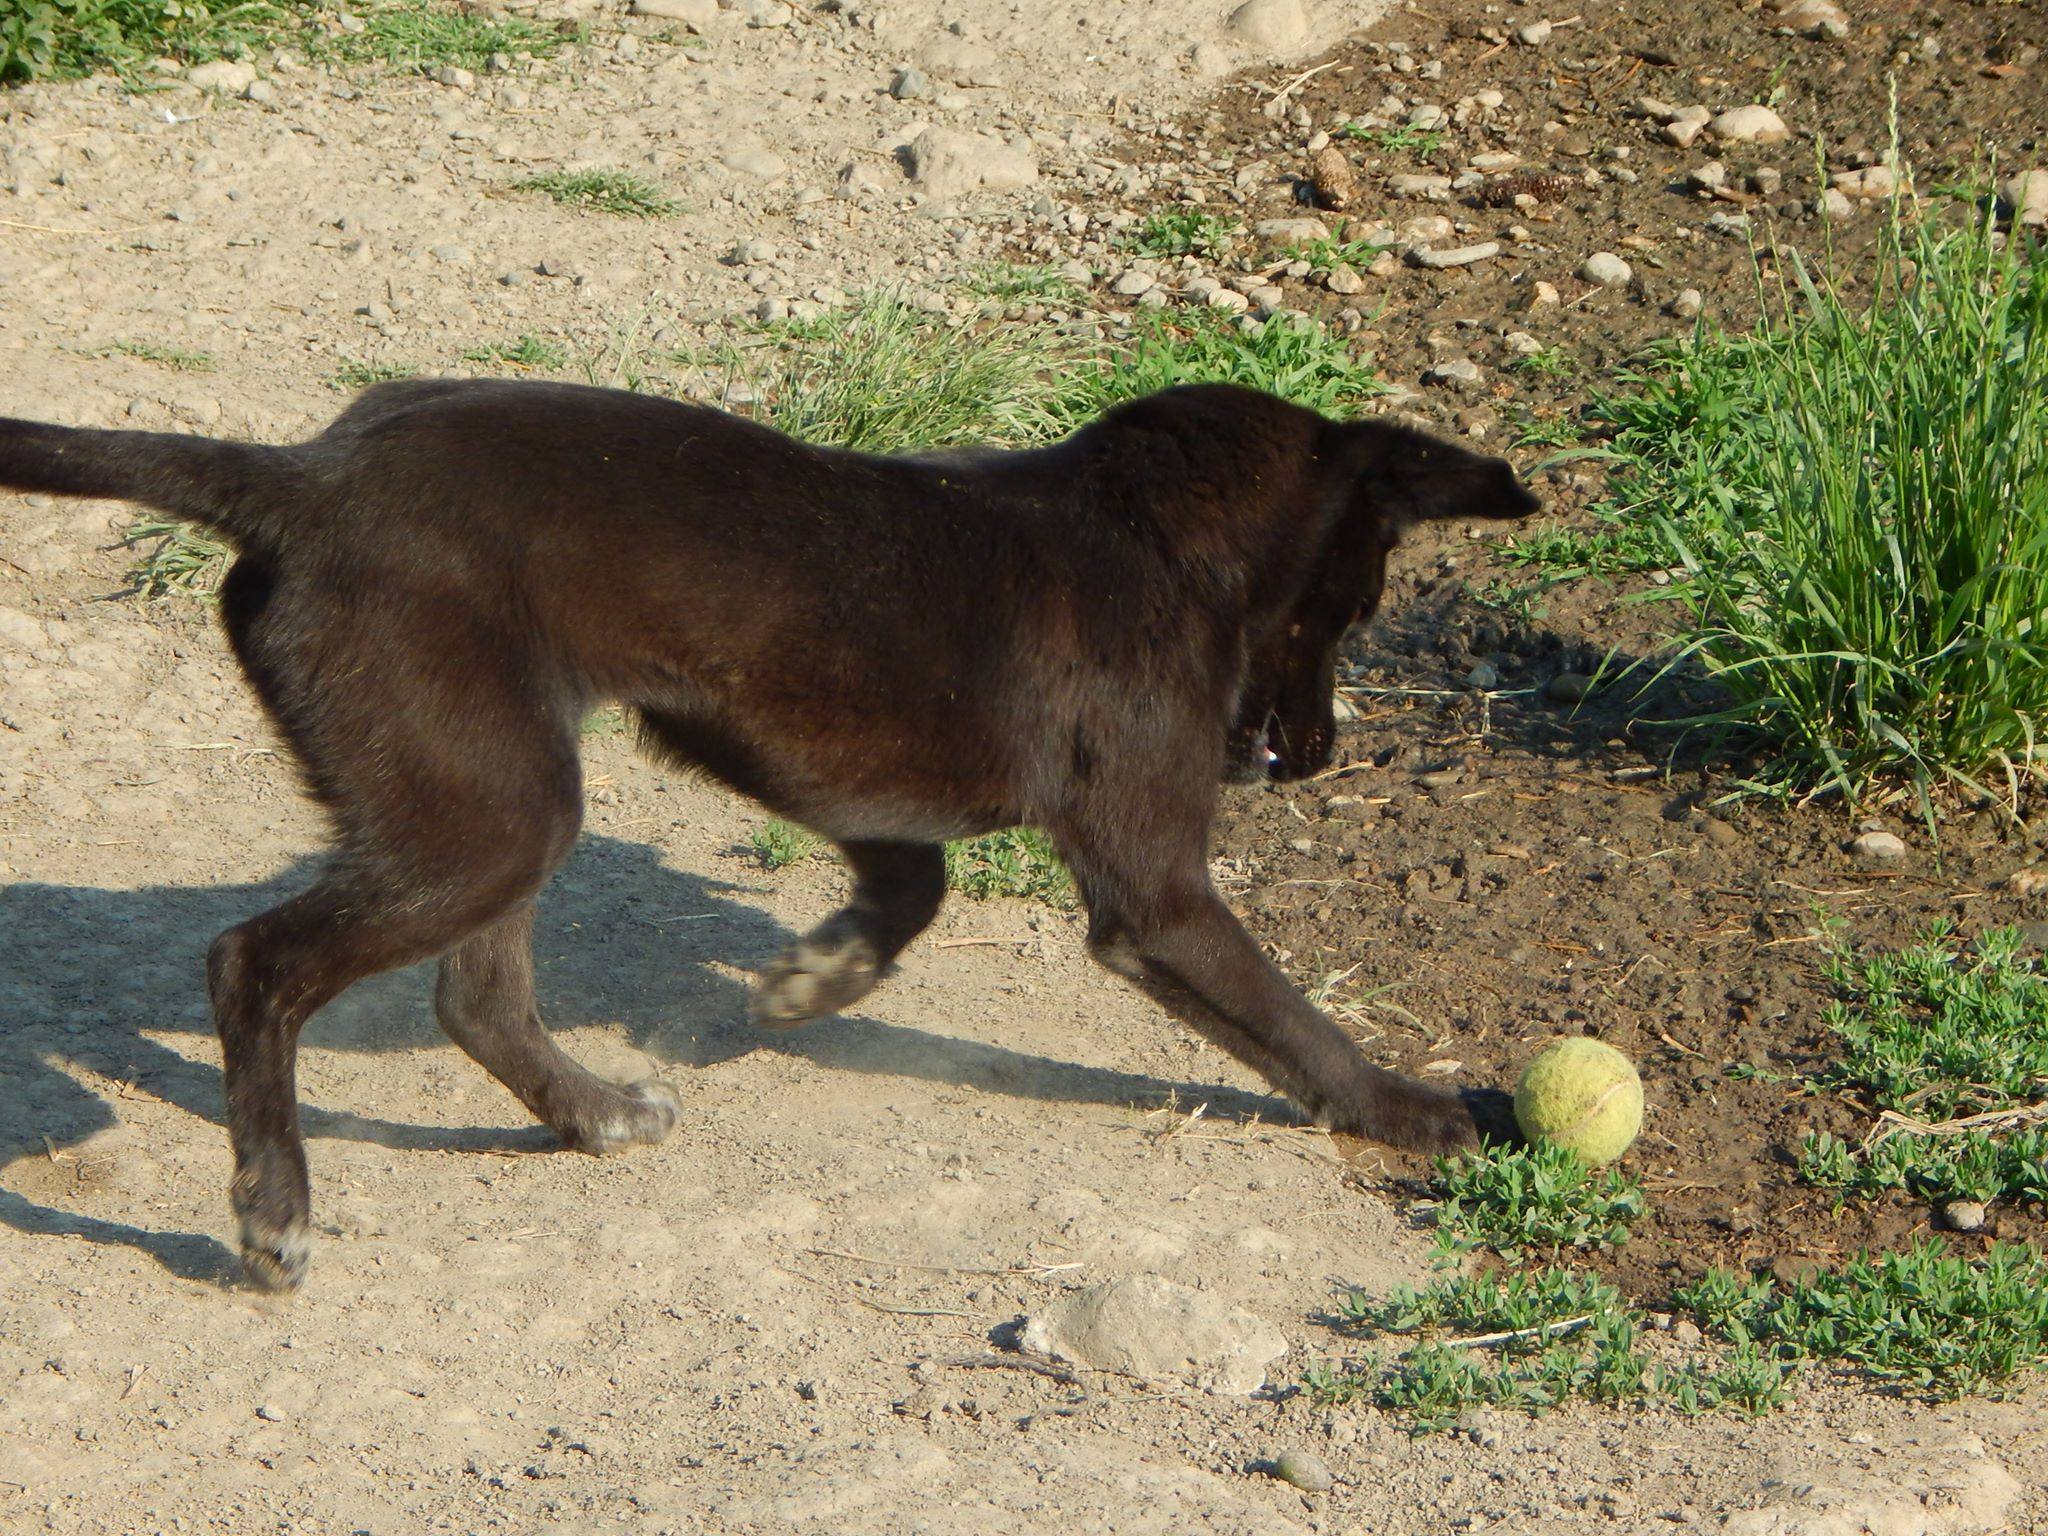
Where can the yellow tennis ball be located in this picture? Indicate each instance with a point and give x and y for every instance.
(1582, 1094)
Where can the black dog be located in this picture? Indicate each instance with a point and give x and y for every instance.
(434, 593)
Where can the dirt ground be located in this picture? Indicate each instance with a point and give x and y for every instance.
(786, 1319)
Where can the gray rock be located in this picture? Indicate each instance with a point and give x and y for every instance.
(1211, 60)
(1962, 1215)
(911, 84)
(1435, 188)
(1267, 300)
(1302, 1470)
(696, 14)
(1706, 178)
(1568, 687)
(1878, 849)
(1754, 124)
(754, 160)
(1872, 181)
(1765, 180)
(1534, 35)
(262, 92)
(229, 77)
(1132, 283)
(1150, 1327)
(1344, 280)
(1685, 125)
(1688, 304)
(765, 13)
(1277, 26)
(1455, 373)
(1606, 269)
(2026, 195)
(270, 1413)
(1834, 204)
(1820, 19)
(1483, 677)
(461, 79)
(948, 163)
(1296, 231)
(1462, 256)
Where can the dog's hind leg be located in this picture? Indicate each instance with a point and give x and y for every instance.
(484, 998)
(375, 910)
(897, 888)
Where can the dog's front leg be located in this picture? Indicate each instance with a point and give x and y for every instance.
(1186, 948)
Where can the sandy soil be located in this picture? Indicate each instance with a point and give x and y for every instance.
(783, 1319)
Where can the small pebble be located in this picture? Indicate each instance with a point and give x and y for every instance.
(1567, 687)
(1606, 269)
(1962, 1215)
(1303, 1470)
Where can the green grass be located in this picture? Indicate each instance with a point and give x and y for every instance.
(1858, 492)
(1548, 363)
(426, 36)
(620, 193)
(1542, 1198)
(1019, 862)
(179, 558)
(1923, 1319)
(173, 358)
(1328, 253)
(1182, 232)
(1404, 140)
(1527, 1341)
(362, 375)
(885, 377)
(65, 38)
(62, 39)
(779, 844)
(1298, 359)
(528, 352)
(1013, 283)
(1952, 1048)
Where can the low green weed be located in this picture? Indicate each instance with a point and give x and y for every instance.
(362, 375)
(174, 358)
(1541, 1198)
(620, 193)
(528, 352)
(1182, 232)
(778, 844)
(1922, 1319)
(427, 36)
(1019, 862)
(1954, 1046)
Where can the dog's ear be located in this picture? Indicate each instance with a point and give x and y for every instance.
(1418, 478)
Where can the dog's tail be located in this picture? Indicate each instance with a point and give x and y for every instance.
(237, 488)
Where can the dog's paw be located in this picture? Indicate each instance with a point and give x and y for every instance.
(274, 1258)
(819, 974)
(638, 1115)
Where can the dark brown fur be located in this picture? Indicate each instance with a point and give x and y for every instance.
(433, 593)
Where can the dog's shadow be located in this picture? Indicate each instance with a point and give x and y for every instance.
(621, 939)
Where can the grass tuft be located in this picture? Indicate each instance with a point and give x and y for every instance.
(1528, 1341)
(778, 844)
(885, 377)
(1922, 1319)
(1952, 1049)
(1019, 862)
(1859, 498)
(182, 559)
(1182, 232)
(1299, 359)
(605, 191)
(362, 375)
(173, 358)
(528, 352)
(427, 36)
(1544, 1197)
